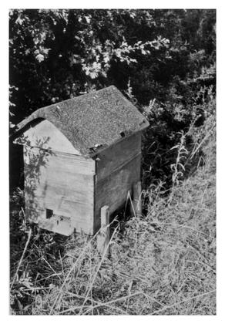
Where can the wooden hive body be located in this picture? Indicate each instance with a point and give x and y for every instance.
(65, 188)
(117, 169)
(61, 196)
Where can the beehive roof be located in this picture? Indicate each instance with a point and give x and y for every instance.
(96, 119)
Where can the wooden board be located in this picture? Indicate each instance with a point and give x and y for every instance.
(64, 184)
(59, 224)
(60, 161)
(46, 131)
(112, 190)
(78, 221)
(117, 156)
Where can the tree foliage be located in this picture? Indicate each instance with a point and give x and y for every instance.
(58, 54)
(164, 61)
(165, 57)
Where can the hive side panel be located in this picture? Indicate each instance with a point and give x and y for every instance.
(112, 190)
(65, 185)
(118, 155)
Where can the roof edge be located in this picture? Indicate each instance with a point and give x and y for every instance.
(51, 113)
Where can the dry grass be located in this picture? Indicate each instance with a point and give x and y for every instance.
(163, 263)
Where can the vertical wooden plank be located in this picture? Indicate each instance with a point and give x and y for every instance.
(137, 198)
(104, 233)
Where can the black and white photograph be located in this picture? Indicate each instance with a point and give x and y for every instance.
(112, 161)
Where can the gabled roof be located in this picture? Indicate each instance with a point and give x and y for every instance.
(96, 119)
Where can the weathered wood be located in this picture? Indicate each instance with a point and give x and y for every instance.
(112, 190)
(58, 163)
(103, 236)
(76, 188)
(81, 215)
(65, 185)
(51, 193)
(45, 130)
(137, 203)
(117, 156)
(58, 224)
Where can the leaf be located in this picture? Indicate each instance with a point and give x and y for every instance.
(40, 58)
(88, 20)
(93, 74)
(19, 20)
(11, 125)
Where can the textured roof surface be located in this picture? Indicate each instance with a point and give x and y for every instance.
(97, 118)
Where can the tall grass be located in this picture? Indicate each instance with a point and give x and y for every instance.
(160, 263)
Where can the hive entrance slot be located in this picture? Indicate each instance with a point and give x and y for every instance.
(49, 213)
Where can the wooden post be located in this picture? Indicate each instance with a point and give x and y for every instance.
(129, 204)
(104, 233)
(137, 198)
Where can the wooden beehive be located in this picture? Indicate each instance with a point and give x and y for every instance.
(80, 155)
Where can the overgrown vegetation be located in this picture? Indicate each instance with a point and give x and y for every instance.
(161, 262)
